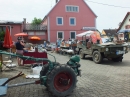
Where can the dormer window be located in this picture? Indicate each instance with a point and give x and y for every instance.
(71, 8)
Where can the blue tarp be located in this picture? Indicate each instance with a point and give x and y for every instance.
(3, 89)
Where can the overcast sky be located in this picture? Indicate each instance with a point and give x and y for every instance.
(108, 16)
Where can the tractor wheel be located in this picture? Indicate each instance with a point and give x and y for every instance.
(44, 70)
(82, 55)
(61, 81)
(97, 57)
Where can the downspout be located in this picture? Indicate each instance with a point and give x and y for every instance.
(10, 30)
(48, 28)
(95, 24)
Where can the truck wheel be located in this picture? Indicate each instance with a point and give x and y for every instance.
(61, 81)
(119, 59)
(82, 55)
(97, 57)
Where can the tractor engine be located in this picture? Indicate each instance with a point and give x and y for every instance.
(74, 63)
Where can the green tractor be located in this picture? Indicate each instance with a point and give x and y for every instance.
(59, 79)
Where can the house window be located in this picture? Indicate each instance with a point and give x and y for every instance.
(30, 33)
(59, 20)
(72, 21)
(3, 28)
(71, 8)
(39, 33)
(60, 34)
(72, 34)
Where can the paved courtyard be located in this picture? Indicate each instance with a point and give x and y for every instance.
(109, 79)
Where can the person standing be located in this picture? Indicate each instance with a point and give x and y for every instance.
(45, 44)
(53, 46)
(19, 49)
(58, 42)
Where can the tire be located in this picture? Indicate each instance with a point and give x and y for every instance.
(44, 70)
(97, 57)
(61, 81)
(119, 59)
(78, 51)
(82, 56)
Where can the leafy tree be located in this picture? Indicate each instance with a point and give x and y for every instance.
(36, 21)
(2, 35)
(35, 25)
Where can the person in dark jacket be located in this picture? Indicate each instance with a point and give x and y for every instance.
(19, 49)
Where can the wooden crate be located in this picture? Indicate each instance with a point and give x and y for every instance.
(74, 44)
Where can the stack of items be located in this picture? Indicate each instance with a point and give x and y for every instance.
(32, 49)
(36, 68)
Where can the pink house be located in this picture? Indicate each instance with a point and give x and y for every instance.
(68, 18)
(17, 27)
(14, 27)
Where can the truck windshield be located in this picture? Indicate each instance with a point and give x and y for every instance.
(106, 40)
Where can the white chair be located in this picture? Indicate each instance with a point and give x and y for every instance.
(8, 64)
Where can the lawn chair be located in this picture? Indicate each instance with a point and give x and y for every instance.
(6, 63)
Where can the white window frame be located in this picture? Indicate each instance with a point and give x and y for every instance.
(70, 21)
(30, 33)
(72, 7)
(57, 20)
(62, 34)
(70, 34)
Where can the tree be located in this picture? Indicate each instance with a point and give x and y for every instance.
(36, 21)
(2, 35)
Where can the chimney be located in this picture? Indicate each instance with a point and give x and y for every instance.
(24, 23)
(24, 20)
(56, 1)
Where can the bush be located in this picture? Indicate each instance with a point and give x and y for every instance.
(2, 35)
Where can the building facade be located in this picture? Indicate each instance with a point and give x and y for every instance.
(14, 27)
(68, 18)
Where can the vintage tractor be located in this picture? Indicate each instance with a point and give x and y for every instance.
(60, 79)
